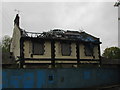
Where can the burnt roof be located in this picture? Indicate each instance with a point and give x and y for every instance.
(63, 35)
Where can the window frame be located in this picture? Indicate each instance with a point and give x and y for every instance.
(88, 47)
(63, 54)
(38, 42)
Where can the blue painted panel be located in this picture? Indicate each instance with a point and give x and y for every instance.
(87, 75)
(51, 78)
(14, 78)
(61, 78)
(28, 79)
(15, 81)
(41, 75)
(4, 79)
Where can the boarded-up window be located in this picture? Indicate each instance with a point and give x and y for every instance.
(38, 48)
(65, 49)
(89, 49)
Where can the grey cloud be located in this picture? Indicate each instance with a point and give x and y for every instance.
(98, 19)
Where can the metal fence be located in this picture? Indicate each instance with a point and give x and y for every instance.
(60, 77)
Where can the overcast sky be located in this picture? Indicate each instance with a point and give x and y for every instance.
(99, 19)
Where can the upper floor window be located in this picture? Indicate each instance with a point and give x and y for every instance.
(88, 49)
(66, 49)
(38, 48)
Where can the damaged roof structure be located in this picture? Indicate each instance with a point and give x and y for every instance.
(63, 35)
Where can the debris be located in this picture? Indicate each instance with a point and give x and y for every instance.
(62, 34)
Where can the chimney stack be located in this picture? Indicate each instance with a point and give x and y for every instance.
(16, 21)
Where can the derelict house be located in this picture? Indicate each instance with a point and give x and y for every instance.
(55, 47)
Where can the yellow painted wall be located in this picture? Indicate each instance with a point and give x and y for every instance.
(15, 44)
(28, 50)
(58, 53)
(47, 53)
(37, 61)
(65, 61)
(83, 56)
(96, 52)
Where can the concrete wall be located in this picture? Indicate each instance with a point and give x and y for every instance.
(61, 78)
(15, 44)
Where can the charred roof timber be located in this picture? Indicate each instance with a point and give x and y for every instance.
(63, 35)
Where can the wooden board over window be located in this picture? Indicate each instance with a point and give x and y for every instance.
(66, 49)
(89, 49)
(38, 48)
